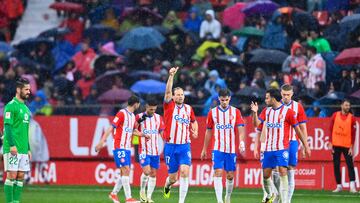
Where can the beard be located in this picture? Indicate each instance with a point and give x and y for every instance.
(24, 96)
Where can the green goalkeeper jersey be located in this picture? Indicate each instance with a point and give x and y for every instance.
(17, 116)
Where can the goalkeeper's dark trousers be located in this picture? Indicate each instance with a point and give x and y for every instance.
(349, 162)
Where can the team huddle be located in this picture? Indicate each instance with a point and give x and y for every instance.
(279, 126)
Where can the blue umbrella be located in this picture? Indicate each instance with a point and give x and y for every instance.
(5, 47)
(142, 38)
(149, 87)
(54, 32)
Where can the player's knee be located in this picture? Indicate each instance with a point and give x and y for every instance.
(11, 175)
(153, 174)
(230, 176)
(184, 172)
(125, 171)
(172, 179)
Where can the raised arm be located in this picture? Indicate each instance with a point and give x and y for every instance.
(254, 114)
(169, 84)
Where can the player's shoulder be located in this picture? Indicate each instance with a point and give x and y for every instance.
(11, 105)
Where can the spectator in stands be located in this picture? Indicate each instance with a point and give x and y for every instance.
(295, 64)
(210, 28)
(171, 21)
(91, 99)
(4, 23)
(319, 90)
(85, 84)
(354, 81)
(110, 19)
(202, 6)
(316, 68)
(259, 79)
(320, 43)
(213, 81)
(76, 26)
(84, 58)
(193, 21)
(275, 36)
(316, 111)
(40, 104)
(15, 10)
(344, 81)
(42, 55)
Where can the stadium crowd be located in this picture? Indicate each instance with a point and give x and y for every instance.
(104, 50)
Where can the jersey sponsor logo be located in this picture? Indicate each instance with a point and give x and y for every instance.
(128, 130)
(149, 131)
(182, 120)
(273, 125)
(7, 115)
(227, 126)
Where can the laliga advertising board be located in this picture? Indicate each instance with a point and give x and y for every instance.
(71, 142)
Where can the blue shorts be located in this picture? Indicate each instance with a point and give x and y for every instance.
(222, 160)
(272, 159)
(153, 161)
(293, 153)
(122, 157)
(176, 155)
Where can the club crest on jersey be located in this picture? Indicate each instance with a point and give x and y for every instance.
(273, 125)
(182, 120)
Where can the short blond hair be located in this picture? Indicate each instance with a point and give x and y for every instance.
(177, 88)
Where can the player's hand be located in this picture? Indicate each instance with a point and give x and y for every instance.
(303, 152)
(307, 151)
(13, 150)
(99, 146)
(173, 71)
(256, 154)
(350, 152)
(30, 155)
(254, 107)
(331, 148)
(146, 136)
(242, 147)
(203, 154)
(194, 133)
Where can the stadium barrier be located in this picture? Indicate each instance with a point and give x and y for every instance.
(73, 161)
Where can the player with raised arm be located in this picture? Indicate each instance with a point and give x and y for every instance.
(16, 148)
(275, 123)
(224, 122)
(179, 119)
(122, 128)
(151, 125)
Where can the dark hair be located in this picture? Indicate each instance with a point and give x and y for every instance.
(224, 93)
(274, 93)
(21, 82)
(287, 87)
(133, 100)
(151, 102)
(345, 100)
(312, 49)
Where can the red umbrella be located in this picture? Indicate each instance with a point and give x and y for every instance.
(67, 6)
(115, 95)
(348, 57)
(233, 17)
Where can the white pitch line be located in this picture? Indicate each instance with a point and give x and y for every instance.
(236, 192)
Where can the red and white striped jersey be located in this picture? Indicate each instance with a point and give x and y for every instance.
(300, 116)
(224, 123)
(123, 124)
(151, 126)
(278, 124)
(177, 122)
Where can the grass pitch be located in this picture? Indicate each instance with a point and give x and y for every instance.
(98, 194)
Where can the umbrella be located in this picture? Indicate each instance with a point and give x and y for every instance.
(249, 31)
(67, 6)
(146, 74)
(32, 43)
(209, 44)
(115, 95)
(97, 30)
(348, 57)
(289, 10)
(331, 98)
(5, 47)
(105, 81)
(231, 60)
(53, 32)
(352, 20)
(304, 20)
(149, 87)
(262, 7)
(251, 92)
(142, 38)
(356, 94)
(268, 56)
(232, 16)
